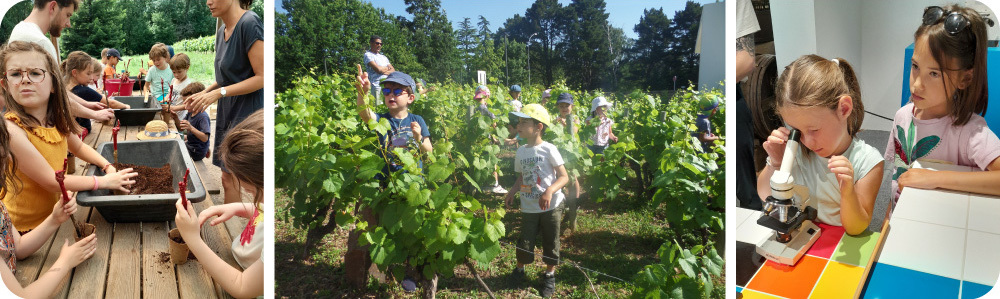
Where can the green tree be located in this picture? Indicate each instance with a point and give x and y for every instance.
(466, 38)
(332, 36)
(14, 15)
(432, 40)
(588, 50)
(94, 28)
(487, 58)
(652, 60)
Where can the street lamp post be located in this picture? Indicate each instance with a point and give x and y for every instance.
(529, 57)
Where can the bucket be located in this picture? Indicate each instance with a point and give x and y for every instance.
(116, 85)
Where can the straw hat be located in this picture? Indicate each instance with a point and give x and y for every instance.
(156, 129)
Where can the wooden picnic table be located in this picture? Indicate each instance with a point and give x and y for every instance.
(128, 261)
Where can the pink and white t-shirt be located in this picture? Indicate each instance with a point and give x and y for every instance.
(937, 140)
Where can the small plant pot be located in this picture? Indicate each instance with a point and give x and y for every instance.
(70, 164)
(88, 229)
(178, 249)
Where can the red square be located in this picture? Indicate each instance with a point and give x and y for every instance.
(829, 237)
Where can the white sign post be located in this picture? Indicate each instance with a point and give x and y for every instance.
(481, 77)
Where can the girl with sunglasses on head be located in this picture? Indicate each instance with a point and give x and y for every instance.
(943, 122)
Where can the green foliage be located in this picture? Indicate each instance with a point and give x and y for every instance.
(201, 44)
(425, 220)
(133, 26)
(665, 48)
(14, 15)
(698, 266)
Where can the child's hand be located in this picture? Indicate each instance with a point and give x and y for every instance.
(416, 129)
(61, 212)
(223, 213)
(119, 180)
(185, 125)
(775, 145)
(840, 166)
(543, 202)
(918, 178)
(187, 222)
(363, 84)
(73, 255)
(614, 138)
(511, 141)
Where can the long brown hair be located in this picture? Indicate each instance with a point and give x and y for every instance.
(58, 114)
(243, 153)
(968, 48)
(814, 81)
(76, 60)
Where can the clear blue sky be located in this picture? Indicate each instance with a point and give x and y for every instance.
(622, 13)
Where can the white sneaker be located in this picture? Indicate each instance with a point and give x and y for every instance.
(498, 189)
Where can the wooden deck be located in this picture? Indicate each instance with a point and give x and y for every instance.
(127, 263)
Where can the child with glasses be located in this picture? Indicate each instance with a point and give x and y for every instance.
(42, 131)
(942, 121)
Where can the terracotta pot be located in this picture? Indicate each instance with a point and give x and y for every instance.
(178, 249)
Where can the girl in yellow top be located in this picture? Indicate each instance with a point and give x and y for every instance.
(242, 151)
(42, 130)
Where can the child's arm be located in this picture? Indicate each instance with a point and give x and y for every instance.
(509, 199)
(27, 244)
(611, 134)
(225, 212)
(46, 284)
(240, 284)
(425, 143)
(857, 200)
(186, 125)
(363, 85)
(560, 182)
(982, 182)
(113, 179)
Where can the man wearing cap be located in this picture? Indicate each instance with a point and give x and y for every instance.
(515, 97)
(376, 64)
(52, 16)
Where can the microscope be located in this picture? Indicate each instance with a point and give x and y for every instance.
(789, 212)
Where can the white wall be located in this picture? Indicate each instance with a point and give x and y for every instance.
(712, 62)
(871, 35)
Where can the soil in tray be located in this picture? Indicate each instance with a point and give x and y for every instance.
(150, 180)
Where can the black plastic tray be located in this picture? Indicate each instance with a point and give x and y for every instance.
(140, 112)
(147, 207)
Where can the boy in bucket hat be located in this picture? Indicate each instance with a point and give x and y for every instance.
(542, 177)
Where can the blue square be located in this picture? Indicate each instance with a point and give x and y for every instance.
(974, 290)
(888, 281)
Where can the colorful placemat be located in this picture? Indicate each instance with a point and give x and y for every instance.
(833, 268)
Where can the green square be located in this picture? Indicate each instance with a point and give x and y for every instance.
(856, 250)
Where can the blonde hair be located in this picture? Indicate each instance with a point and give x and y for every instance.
(968, 47)
(75, 61)
(814, 81)
(159, 50)
(97, 67)
(180, 62)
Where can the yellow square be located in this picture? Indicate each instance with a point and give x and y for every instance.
(838, 280)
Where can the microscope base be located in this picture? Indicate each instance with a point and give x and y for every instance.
(790, 253)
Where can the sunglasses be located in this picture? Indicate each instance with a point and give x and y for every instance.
(397, 91)
(378, 43)
(954, 22)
